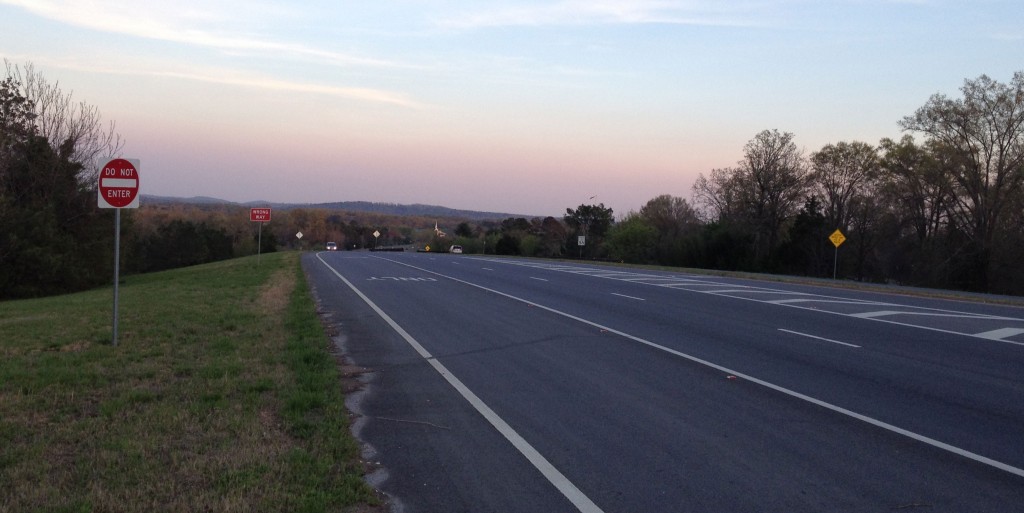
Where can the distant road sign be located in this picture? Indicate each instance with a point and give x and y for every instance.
(261, 215)
(119, 184)
(837, 238)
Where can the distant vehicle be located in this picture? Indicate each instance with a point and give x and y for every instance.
(332, 246)
(456, 249)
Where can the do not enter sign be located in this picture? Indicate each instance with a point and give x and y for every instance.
(118, 188)
(119, 184)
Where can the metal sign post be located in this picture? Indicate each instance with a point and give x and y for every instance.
(259, 215)
(117, 269)
(837, 239)
(118, 188)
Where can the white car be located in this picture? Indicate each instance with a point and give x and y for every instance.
(332, 246)
(456, 249)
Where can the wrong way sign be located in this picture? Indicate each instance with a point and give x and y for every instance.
(119, 184)
(261, 215)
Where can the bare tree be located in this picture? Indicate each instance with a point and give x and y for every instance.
(759, 195)
(914, 187)
(717, 195)
(773, 179)
(68, 125)
(841, 174)
(670, 215)
(983, 137)
(17, 117)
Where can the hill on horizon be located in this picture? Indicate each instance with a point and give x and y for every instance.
(352, 206)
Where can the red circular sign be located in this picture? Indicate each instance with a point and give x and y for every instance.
(119, 183)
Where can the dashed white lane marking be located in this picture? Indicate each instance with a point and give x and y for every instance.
(747, 293)
(792, 393)
(820, 338)
(628, 297)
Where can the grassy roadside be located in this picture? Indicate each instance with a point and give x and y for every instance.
(222, 396)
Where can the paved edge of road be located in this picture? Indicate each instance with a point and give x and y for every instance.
(571, 492)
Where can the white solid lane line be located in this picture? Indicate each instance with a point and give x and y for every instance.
(792, 393)
(562, 483)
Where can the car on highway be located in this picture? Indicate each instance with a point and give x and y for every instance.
(456, 249)
(332, 246)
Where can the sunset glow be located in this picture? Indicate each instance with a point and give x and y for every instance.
(519, 107)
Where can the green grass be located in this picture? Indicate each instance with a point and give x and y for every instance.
(222, 395)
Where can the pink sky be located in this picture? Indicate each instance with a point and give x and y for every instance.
(518, 107)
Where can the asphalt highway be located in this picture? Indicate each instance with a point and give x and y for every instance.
(514, 385)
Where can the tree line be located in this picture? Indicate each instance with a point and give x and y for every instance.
(940, 207)
(52, 237)
(945, 210)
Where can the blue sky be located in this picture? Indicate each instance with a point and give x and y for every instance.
(523, 107)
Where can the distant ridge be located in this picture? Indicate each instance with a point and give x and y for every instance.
(351, 206)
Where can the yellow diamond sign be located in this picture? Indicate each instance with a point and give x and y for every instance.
(837, 238)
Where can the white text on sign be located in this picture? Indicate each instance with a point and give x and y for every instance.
(261, 215)
(118, 185)
(118, 172)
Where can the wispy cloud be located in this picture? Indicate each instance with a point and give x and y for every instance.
(219, 26)
(1007, 36)
(194, 24)
(353, 93)
(247, 80)
(582, 12)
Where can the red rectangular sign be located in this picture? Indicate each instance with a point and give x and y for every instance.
(261, 215)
